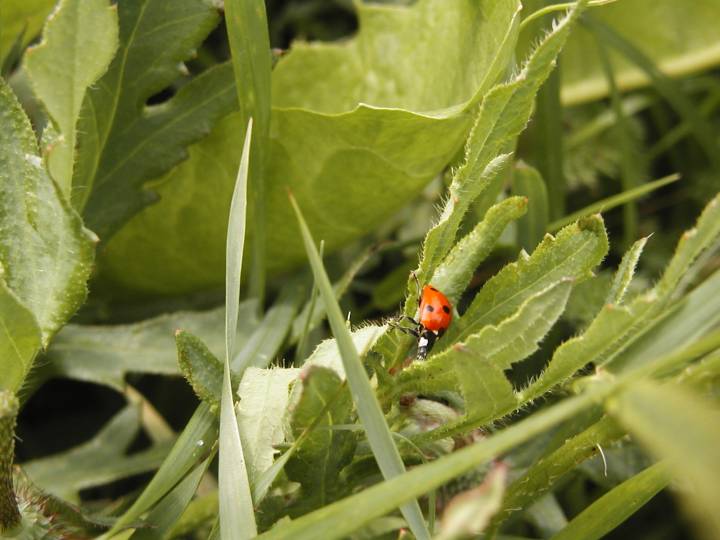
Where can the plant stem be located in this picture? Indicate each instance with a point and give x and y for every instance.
(9, 513)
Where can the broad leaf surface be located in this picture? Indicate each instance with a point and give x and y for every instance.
(78, 44)
(122, 142)
(45, 251)
(395, 131)
(317, 462)
(105, 354)
(264, 395)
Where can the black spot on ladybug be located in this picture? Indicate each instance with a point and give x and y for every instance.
(446, 309)
(429, 308)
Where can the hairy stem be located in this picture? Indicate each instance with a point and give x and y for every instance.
(9, 513)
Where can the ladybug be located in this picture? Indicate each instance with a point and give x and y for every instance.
(435, 314)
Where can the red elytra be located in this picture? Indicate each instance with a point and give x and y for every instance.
(435, 310)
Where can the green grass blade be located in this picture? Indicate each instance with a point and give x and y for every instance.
(247, 30)
(616, 200)
(528, 182)
(237, 517)
(677, 425)
(542, 476)
(629, 173)
(617, 505)
(549, 144)
(164, 516)
(371, 416)
(192, 444)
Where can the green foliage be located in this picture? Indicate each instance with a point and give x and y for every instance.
(122, 142)
(200, 367)
(98, 461)
(106, 354)
(389, 140)
(368, 408)
(45, 252)
(655, 414)
(264, 397)
(21, 21)
(572, 361)
(617, 505)
(573, 254)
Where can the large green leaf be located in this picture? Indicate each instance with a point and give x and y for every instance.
(79, 42)
(394, 129)
(123, 142)
(680, 40)
(105, 354)
(45, 251)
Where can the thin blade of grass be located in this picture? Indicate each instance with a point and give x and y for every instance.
(192, 444)
(237, 518)
(618, 504)
(164, 516)
(247, 31)
(549, 142)
(371, 416)
(611, 202)
(629, 174)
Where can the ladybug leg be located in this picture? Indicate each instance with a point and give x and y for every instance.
(405, 329)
